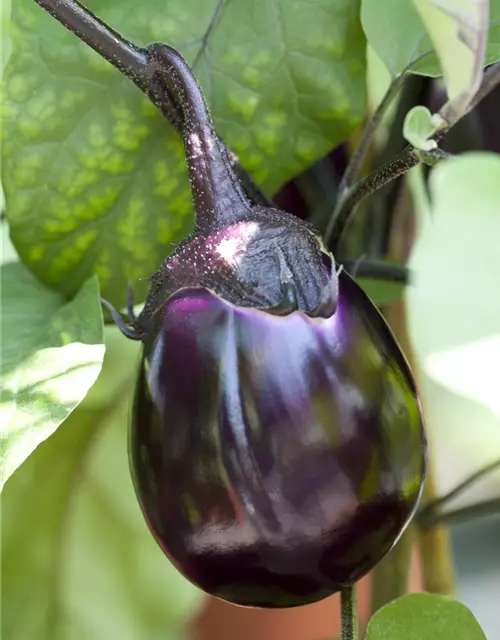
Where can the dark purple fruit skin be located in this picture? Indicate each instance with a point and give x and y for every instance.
(276, 459)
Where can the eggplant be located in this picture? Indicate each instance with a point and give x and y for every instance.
(277, 443)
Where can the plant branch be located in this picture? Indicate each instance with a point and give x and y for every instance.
(347, 203)
(432, 156)
(377, 270)
(381, 211)
(357, 159)
(491, 79)
(349, 613)
(431, 508)
(135, 63)
(410, 157)
(462, 514)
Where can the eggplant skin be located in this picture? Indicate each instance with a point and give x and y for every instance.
(276, 459)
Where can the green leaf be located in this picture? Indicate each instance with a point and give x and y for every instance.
(460, 425)
(7, 251)
(382, 292)
(78, 561)
(424, 616)
(95, 179)
(418, 127)
(52, 353)
(396, 32)
(459, 31)
(5, 28)
(453, 307)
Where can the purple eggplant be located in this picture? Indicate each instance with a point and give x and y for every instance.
(277, 443)
(276, 458)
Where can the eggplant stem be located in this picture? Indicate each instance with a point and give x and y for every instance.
(349, 613)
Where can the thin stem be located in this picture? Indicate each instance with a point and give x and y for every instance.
(381, 211)
(463, 514)
(377, 270)
(491, 79)
(432, 156)
(346, 205)
(357, 159)
(432, 507)
(349, 613)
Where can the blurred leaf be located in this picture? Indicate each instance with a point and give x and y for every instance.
(4, 53)
(472, 370)
(459, 32)
(95, 178)
(5, 33)
(396, 32)
(465, 437)
(381, 293)
(454, 306)
(52, 353)
(7, 251)
(424, 616)
(78, 561)
(418, 127)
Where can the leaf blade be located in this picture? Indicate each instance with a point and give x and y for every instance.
(52, 355)
(424, 616)
(459, 33)
(396, 31)
(457, 252)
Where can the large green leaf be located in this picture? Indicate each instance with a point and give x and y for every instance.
(382, 292)
(459, 33)
(424, 616)
(78, 562)
(396, 32)
(454, 306)
(52, 353)
(95, 178)
(459, 398)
